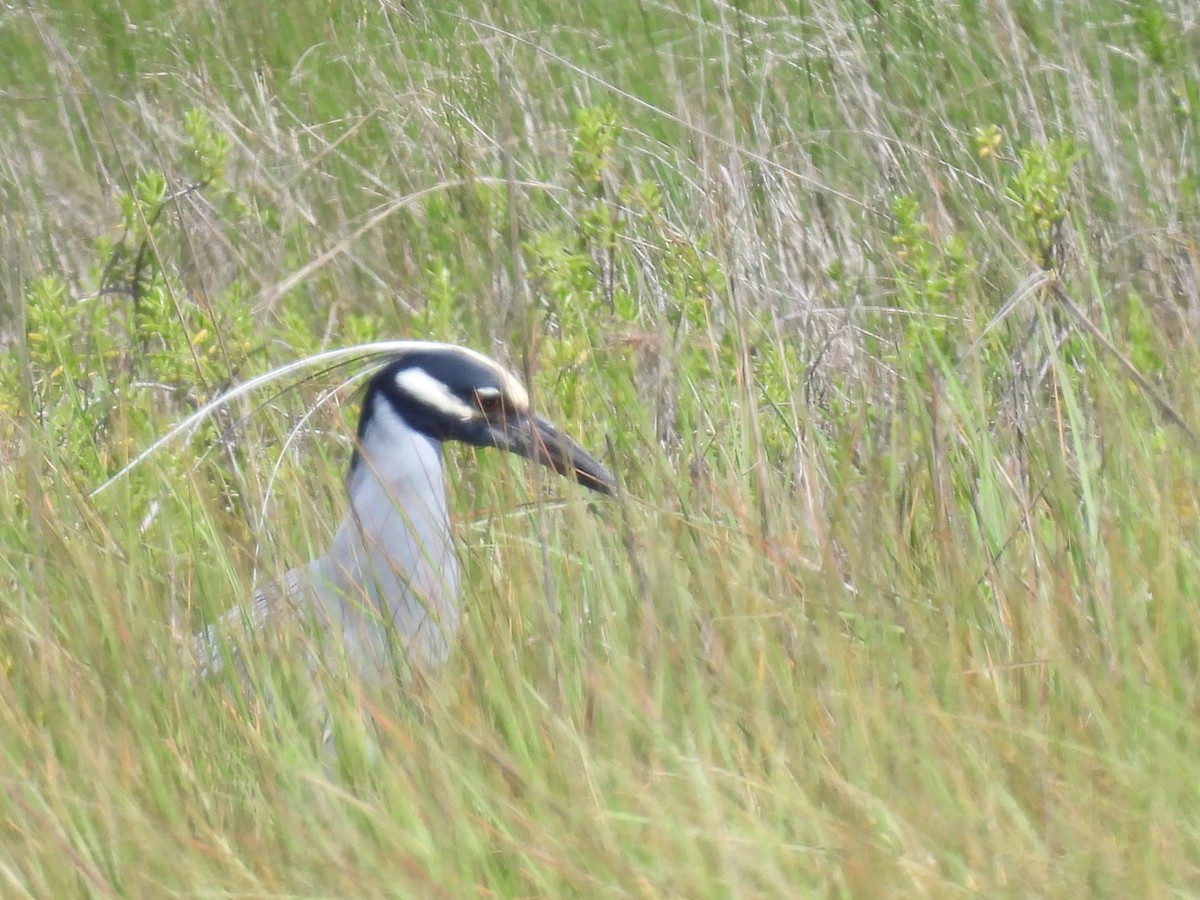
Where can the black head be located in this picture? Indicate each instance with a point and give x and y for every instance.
(450, 393)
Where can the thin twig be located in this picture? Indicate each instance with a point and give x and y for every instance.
(1164, 406)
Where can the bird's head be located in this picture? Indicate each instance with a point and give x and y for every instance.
(450, 393)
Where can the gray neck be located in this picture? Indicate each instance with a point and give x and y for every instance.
(391, 576)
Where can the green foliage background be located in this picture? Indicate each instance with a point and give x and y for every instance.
(884, 314)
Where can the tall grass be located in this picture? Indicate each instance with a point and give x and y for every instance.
(899, 597)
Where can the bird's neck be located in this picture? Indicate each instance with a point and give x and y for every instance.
(394, 555)
(396, 471)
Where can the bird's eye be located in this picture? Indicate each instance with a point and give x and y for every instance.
(490, 401)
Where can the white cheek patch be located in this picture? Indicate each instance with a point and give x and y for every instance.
(423, 387)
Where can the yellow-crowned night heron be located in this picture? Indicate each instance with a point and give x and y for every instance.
(390, 580)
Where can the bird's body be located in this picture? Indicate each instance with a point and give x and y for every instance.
(389, 584)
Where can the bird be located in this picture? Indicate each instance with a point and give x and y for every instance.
(390, 583)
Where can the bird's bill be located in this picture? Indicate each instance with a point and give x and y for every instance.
(538, 439)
